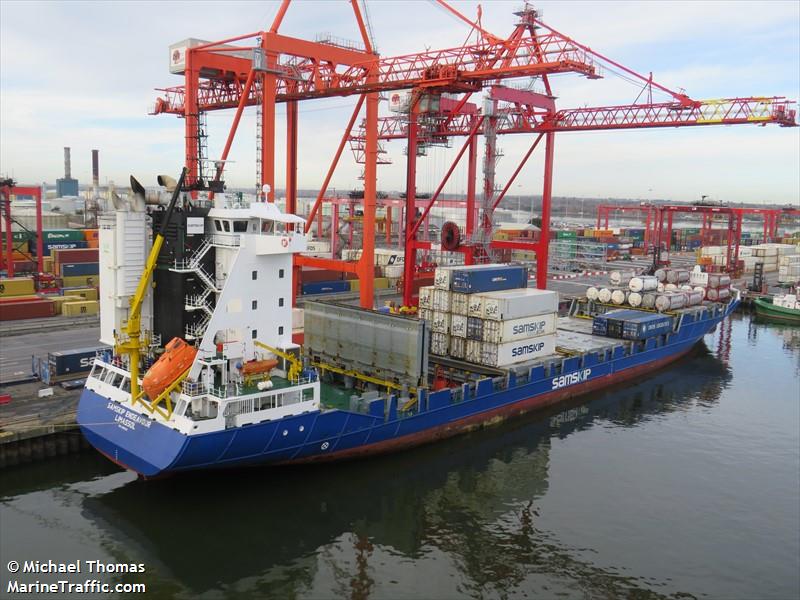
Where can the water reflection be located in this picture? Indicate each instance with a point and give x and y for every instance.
(470, 503)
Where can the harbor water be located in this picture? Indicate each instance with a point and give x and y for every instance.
(685, 484)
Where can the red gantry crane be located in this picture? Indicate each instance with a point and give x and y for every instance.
(265, 68)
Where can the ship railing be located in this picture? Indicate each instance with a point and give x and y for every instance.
(193, 388)
(225, 240)
(269, 400)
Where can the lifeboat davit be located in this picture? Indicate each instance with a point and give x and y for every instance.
(178, 356)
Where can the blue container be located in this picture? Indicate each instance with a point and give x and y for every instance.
(611, 324)
(72, 361)
(325, 287)
(69, 270)
(488, 278)
(646, 326)
(47, 246)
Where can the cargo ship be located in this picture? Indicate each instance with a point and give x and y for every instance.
(229, 386)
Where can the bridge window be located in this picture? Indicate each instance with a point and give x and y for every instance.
(226, 225)
(217, 225)
(240, 226)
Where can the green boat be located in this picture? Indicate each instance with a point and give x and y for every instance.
(766, 309)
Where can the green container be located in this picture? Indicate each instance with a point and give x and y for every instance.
(63, 235)
(562, 235)
(20, 236)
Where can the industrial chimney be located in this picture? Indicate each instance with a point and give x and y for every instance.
(96, 169)
(67, 165)
(66, 186)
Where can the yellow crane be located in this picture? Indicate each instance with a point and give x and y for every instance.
(131, 345)
(295, 366)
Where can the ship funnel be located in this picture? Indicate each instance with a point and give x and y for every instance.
(167, 182)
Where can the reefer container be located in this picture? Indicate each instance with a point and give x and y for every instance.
(475, 305)
(459, 303)
(326, 287)
(72, 361)
(474, 328)
(515, 304)
(439, 343)
(440, 322)
(72, 270)
(646, 325)
(489, 278)
(509, 353)
(497, 332)
(458, 326)
(441, 300)
(458, 347)
(426, 296)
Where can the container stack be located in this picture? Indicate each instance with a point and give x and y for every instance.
(719, 287)
(631, 324)
(789, 269)
(484, 314)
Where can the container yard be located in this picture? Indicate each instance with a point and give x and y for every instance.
(384, 275)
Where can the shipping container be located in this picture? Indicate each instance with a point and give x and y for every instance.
(459, 303)
(518, 303)
(475, 305)
(63, 235)
(78, 255)
(48, 247)
(600, 323)
(441, 300)
(645, 326)
(72, 361)
(440, 343)
(82, 293)
(474, 328)
(325, 287)
(472, 351)
(440, 322)
(76, 269)
(26, 310)
(81, 308)
(514, 330)
(509, 353)
(458, 347)
(426, 297)
(458, 326)
(488, 278)
(17, 286)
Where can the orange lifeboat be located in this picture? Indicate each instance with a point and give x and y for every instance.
(258, 367)
(178, 356)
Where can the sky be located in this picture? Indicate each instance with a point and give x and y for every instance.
(82, 74)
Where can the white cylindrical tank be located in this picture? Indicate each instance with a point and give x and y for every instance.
(661, 274)
(670, 301)
(618, 297)
(700, 288)
(718, 294)
(604, 295)
(649, 300)
(591, 293)
(644, 283)
(718, 280)
(635, 299)
(677, 276)
(693, 298)
(620, 277)
(670, 287)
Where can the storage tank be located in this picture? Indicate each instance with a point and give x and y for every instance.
(677, 276)
(635, 299)
(618, 297)
(604, 295)
(670, 301)
(644, 283)
(592, 292)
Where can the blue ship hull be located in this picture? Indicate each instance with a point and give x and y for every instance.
(333, 434)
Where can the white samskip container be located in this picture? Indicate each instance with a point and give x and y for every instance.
(497, 332)
(441, 300)
(645, 283)
(459, 303)
(441, 278)
(458, 326)
(591, 293)
(475, 305)
(472, 351)
(440, 343)
(509, 353)
(522, 302)
(426, 296)
(458, 347)
(440, 322)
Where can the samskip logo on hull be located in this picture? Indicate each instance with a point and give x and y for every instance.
(571, 378)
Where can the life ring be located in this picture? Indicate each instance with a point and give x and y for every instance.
(285, 242)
